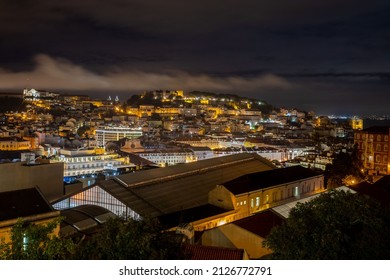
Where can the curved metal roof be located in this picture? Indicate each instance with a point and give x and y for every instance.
(83, 219)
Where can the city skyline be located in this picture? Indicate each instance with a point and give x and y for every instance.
(329, 57)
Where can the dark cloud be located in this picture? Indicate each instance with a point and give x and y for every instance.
(299, 49)
(63, 74)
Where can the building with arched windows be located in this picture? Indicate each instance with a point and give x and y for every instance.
(373, 146)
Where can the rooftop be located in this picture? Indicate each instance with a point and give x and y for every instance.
(171, 189)
(83, 219)
(261, 223)
(199, 252)
(190, 215)
(23, 203)
(379, 191)
(284, 209)
(261, 180)
(378, 129)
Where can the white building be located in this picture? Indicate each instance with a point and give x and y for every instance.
(167, 158)
(114, 133)
(86, 162)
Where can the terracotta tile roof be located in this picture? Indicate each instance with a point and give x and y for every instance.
(200, 252)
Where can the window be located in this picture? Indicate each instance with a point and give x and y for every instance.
(386, 138)
(25, 241)
(378, 138)
(252, 203)
(296, 191)
(257, 201)
(378, 158)
(266, 198)
(378, 147)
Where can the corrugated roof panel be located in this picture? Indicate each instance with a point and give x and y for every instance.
(175, 188)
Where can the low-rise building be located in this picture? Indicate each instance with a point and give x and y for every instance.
(49, 177)
(14, 144)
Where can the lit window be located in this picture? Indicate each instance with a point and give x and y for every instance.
(252, 203)
(257, 201)
(25, 241)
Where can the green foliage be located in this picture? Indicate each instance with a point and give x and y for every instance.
(130, 240)
(35, 242)
(335, 225)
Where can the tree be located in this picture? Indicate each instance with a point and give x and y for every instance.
(335, 225)
(345, 170)
(36, 242)
(121, 239)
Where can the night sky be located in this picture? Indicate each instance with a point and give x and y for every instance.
(332, 57)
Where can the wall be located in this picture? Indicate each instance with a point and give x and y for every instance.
(233, 236)
(48, 177)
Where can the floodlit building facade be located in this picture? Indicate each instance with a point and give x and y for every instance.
(14, 144)
(373, 147)
(111, 133)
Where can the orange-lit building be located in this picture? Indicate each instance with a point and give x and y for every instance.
(357, 124)
(373, 146)
(14, 144)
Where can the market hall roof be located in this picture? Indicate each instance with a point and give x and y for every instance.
(84, 219)
(170, 189)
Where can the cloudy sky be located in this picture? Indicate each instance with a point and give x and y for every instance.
(329, 56)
